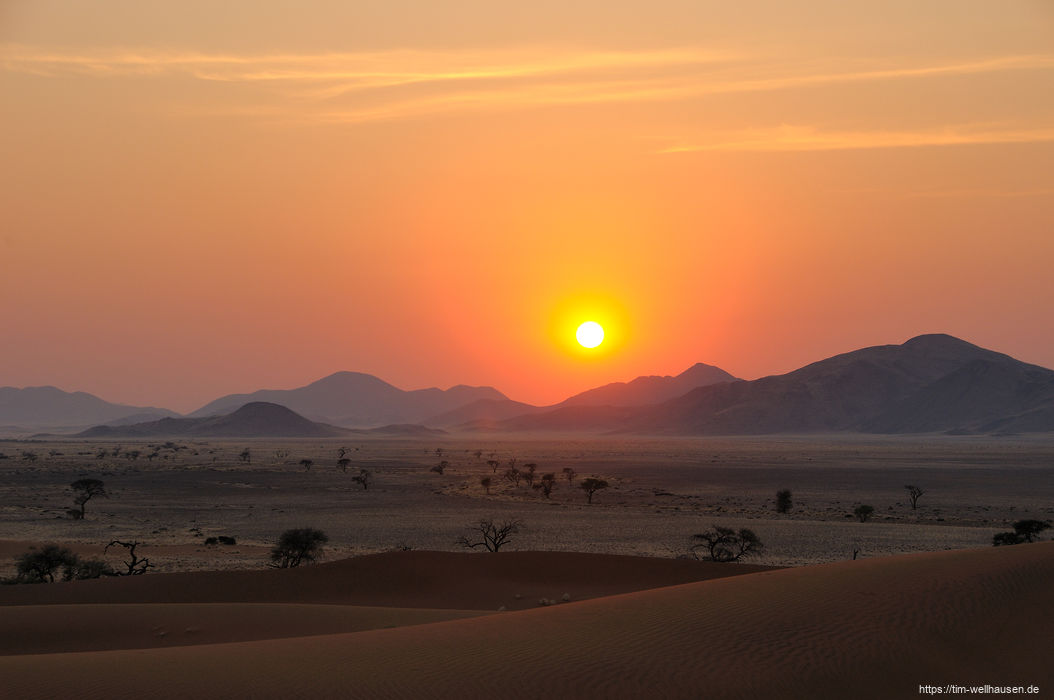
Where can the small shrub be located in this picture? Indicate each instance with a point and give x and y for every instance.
(211, 541)
(783, 501)
(224, 539)
(863, 512)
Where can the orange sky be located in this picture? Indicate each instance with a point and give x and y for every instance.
(201, 198)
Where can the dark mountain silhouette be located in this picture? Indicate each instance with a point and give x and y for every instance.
(932, 383)
(256, 419)
(650, 390)
(354, 399)
(488, 413)
(484, 413)
(47, 407)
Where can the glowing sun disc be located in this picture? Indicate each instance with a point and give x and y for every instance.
(590, 334)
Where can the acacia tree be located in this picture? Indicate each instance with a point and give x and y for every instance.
(723, 544)
(528, 473)
(570, 475)
(493, 464)
(485, 483)
(783, 501)
(83, 491)
(362, 479)
(493, 536)
(41, 565)
(297, 546)
(914, 492)
(591, 486)
(306, 464)
(1024, 531)
(343, 463)
(246, 456)
(546, 483)
(513, 476)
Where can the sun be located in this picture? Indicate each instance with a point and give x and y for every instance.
(590, 334)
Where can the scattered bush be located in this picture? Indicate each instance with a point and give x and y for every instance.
(227, 540)
(493, 536)
(914, 493)
(863, 512)
(1024, 531)
(724, 544)
(591, 486)
(84, 490)
(41, 565)
(297, 546)
(783, 501)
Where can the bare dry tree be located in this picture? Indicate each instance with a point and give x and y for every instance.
(363, 479)
(135, 566)
(493, 536)
(570, 475)
(914, 492)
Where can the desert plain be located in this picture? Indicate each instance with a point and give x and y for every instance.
(601, 599)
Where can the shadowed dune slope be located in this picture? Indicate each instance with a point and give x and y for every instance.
(414, 579)
(50, 629)
(866, 629)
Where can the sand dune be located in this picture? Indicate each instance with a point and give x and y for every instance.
(871, 628)
(50, 629)
(415, 579)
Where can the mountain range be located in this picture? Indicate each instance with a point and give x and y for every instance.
(929, 384)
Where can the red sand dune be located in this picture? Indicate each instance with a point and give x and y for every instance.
(875, 628)
(414, 579)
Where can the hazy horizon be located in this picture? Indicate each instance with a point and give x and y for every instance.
(202, 200)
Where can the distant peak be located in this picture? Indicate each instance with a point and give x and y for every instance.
(938, 340)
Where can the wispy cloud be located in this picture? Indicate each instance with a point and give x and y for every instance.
(384, 85)
(807, 138)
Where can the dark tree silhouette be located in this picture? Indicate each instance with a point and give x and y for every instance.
(135, 566)
(591, 486)
(570, 475)
(493, 464)
(724, 544)
(306, 464)
(440, 468)
(41, 565)
(546, 483)
(1024, 531)
(246, 456)
(528, 473)
(493, 536)
(83, 491)
(863, 512)
(478, 454)
(485, 483)
(914, 493)
(363, 479)
(783, 501)
(297, 546)
(513, 476)
(343, 463)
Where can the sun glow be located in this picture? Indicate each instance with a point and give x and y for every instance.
(590, 334)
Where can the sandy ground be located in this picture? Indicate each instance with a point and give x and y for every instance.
(875, 628)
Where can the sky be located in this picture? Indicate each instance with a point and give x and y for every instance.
(201, 198)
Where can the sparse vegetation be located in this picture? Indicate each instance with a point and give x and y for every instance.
(723, 544)
(546, 483)
(363, 479)
(914, 493)
(298, 546)
(306, 464)
(863, 513)
(135, 566)
(246, 456)
(83, 491)
(343, 463)
(1025, 531)
(441, 467)
(783, 501)
(513, 476)
(493, 536)
(591, 485)
(41, 565)
(485, 483)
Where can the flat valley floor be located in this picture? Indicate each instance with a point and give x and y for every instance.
(172, 496)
